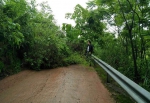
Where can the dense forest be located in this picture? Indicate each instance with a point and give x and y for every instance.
(30, 38)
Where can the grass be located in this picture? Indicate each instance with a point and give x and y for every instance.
(119, 95)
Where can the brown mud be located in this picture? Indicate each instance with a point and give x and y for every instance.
(73, 84)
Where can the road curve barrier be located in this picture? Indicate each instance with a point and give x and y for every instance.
(139, 94)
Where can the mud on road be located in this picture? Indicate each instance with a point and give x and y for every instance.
(73, 84)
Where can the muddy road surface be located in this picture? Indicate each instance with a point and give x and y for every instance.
(73, 84)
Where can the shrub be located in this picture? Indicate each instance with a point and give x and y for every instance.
(42, 56)
(74, 58)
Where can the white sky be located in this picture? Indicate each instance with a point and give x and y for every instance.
(61, 7)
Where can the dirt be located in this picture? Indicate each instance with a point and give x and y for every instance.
(73, 84)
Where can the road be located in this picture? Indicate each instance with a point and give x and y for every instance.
(72, 84)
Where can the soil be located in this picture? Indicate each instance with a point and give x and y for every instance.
(73, 84)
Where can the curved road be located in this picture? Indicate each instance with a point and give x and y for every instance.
(73, 84)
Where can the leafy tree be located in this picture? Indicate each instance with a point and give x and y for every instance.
(128, 48)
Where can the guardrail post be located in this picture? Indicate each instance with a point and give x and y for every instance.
(108, 81)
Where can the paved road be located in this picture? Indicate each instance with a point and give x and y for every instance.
(73, 84)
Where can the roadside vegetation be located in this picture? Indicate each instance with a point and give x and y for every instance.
(30, 38)
(118, 29)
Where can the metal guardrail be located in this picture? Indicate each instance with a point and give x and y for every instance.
(138, 93)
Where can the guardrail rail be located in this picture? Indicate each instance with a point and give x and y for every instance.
(138, 93)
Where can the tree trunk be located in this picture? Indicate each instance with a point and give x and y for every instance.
(134, 57)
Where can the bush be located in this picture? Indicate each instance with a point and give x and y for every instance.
(15, 67)
(43, 56)
(51, 56)
(74, 58)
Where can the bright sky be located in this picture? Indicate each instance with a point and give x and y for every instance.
(61, 7)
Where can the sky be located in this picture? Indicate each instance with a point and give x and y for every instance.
(61, 7)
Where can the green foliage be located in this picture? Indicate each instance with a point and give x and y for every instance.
(74, 58)
(127, 48)
(30, 38)
(43, 56)
(14, 67)
(128, 51)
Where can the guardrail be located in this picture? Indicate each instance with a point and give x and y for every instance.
(138, 93)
